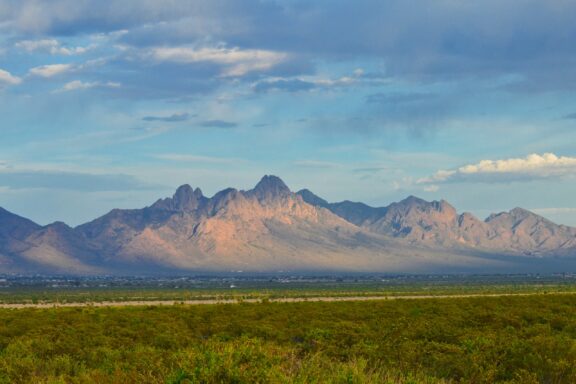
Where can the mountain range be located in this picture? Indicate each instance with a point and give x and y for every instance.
(270, 229)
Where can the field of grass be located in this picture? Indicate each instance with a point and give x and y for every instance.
(514, 339)
(66, 290)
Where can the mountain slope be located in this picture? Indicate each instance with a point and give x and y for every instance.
(28, 247)
(438, 224)
(270, 228)
(13, 233)
(356, 213)
(524, 231)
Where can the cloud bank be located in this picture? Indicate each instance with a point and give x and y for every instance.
(174, 118)
(76, 85)
(9, 79)
(236, 62)
(531, 167)
(218, 124)
(51, 46)
(439, 39)
(74, 181)
(50, 70)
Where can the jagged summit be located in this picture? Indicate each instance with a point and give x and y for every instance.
(514, 214)
(270, 228)
(413, 200)
(185, 199)
(520, 212)
(270, 186)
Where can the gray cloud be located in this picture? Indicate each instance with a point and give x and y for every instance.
(187, 158)
(218, 124)
(174, 118)
(447, 39)
(530, 39)
(571, 116)
(71, 17)
(317, 164)
(142, 80)
(554, 211)
(261, 125)
(84, 182)
(292, 85)
(397, 98)
(372, 169)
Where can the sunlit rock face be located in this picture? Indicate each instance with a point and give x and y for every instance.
(270, 228)
(437, 224)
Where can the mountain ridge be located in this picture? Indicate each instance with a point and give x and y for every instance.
(271, 228)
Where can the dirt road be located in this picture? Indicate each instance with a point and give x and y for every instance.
(257, 300)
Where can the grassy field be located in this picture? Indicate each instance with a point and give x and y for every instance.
(70, 291)
(530, 339)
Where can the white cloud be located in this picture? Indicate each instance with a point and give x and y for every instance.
(534, 166)
(65, 180)
(316, 164)
(238, 62)
(7, 78)
(185, 158)
(50, 45)
(77, 85)
(431, 188)
(50, 70)
(554, 211)
(326, 82)
(313, 82)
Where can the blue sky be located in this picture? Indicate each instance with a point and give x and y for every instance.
(115, 104)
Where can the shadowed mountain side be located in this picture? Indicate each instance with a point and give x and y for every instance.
(28, 247)
(61, 248)
(524, 231)
(13, 232)
(269, 228)
(438, 224)
(266, 227)
(356, 213)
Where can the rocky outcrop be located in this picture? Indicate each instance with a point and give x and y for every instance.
(270, 228)
(437, 224)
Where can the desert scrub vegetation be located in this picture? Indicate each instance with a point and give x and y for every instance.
(38, 290)
(528, 339)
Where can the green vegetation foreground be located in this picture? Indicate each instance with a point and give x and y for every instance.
(529, 339)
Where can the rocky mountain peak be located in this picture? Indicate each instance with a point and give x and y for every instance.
(185, 193)
(520, 213)
(413, 200)
(270, 187)
(220, 199)
(184, 199)
(59, 225)
(309, 197)
(514, 216)
(445, 207)
(409, 204)
(270, 228)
